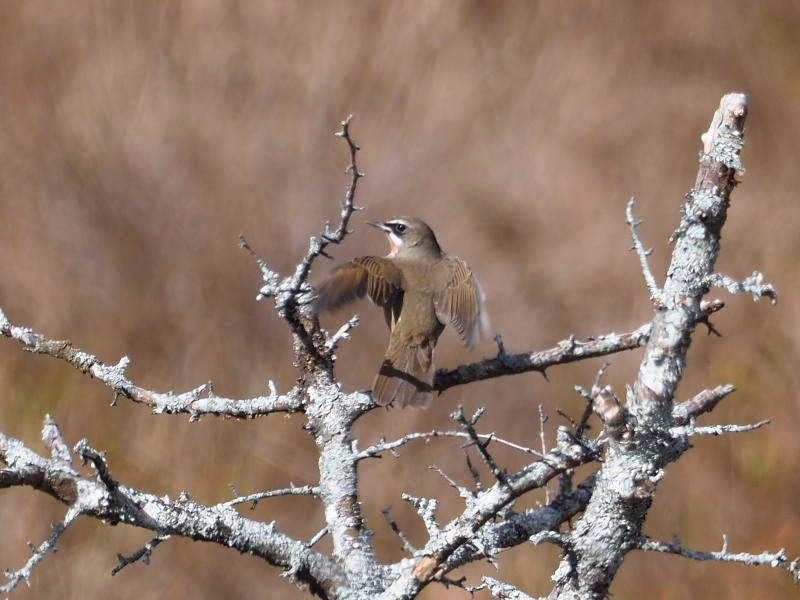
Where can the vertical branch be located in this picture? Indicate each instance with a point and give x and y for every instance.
(331, 413)
(291, 293)
(693, 259)
(631, 471)
(334, 236)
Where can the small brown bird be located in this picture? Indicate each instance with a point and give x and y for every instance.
(421, 289)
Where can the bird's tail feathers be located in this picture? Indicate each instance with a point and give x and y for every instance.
(405, 379)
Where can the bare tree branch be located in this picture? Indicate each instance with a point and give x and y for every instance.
(112, 502)
(39, 552)
(192, 402)
(390, 446)
(703, 402)
(611, 524)
(652, 286)
(567, 351)
(144, 553)
(724, 429)
(776, 560)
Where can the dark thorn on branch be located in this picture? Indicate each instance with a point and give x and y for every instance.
(144, 553)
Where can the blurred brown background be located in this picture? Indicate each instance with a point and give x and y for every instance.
(139, 139)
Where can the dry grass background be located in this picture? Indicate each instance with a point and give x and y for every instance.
(138, 139)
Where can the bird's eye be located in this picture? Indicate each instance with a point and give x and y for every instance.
(399, 227)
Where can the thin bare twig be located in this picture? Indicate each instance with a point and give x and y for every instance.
(144, 553)
(407, 545)
(652, 286)
(384, 446)
(500, 589)
(469, 427)
(723, 429)
(15, 577)
(292, 490)
(752, 285)
(426, 508)
(776, 560)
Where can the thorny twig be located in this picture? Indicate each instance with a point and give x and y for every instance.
(144, 553)
(469, 427)
(652, 286)
(389, 446)
(774, 559)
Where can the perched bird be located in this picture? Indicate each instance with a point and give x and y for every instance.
(421, 289)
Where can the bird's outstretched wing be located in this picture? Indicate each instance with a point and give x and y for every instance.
(461, 301)
(371, 276)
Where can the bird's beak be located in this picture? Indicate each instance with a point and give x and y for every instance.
(388, 231)
(379, 225)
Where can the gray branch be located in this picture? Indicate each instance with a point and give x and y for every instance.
(391, 446)
(195, 403)
(776, 560)
(566, 351)
(39, 552)
(753, 285)
(611, 525)
(652, 286)
(502, 590)
(104, 498)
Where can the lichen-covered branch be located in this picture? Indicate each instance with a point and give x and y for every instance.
(195, 403)
(776, 560)
(567, 351)
(632, 468)
(102, 497)
(459, 541)
(291, 294)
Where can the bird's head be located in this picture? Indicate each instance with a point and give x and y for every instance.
(408, 237)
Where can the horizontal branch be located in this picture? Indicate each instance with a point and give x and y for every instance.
(776, 560)
(203, 401)
(196, 403)
(567, 351)
(376, 450)
(754, 285)
(725, 429)
(292, 490)
(104, 498)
